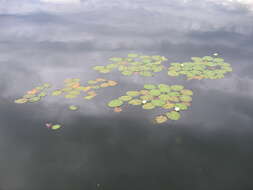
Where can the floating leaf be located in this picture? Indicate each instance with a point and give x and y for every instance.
(158, 103)
(115, 103)
(181, 106)
(168, 105)
(34, 99)
(176, 87)
(161, 119)
(112, 83)
(173, 115)
(148, 106)
(125, 98)
(73, 108)
(186, 98)
(117, 109)
(186, 92)
(56, 127)
(133, 93)
(70, 96)
(88, 97)
(149, 86)
(135, 102)
(21, 101)
(154, 92)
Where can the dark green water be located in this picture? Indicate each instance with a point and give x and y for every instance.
(209, 148)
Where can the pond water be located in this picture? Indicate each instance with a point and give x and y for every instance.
(93, 147)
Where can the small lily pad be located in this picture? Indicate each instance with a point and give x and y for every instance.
(21, 101)
(161, 119)
(115, 103)
(56, 93)
(135, 102)
(73, 108)
(125, 98)
(56, 127)
(173, 115)
(148, 106)
(133, 93)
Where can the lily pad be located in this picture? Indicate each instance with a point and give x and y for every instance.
(158, 103)
(115, 103)
(73, 108)
(133, 93)
(135, 102)
(148, 106)
(176, 87)
(125, 98)
(149, 86)
(161, 119)
(186, 98)
(173, 115)
(34, 99)
(154, 92)
(21, 101)
(56, 127)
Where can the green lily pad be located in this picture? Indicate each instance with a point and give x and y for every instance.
(133, 93)
(135, 102)
(176, 87)
(21, 101)
(154, 92)
(73, 108)
(115, 103)
(88, 97)
(173, 115)
(125, 98)
(168, 105)
(127, 73)
(186, 92)
(34, 99)
(186, 98)
(146, 97)
(158, 103)
(164, 88)
(115, 59)
(149, 86)
(148, 106)
(133, 55)
(56, 127)
(181, 106)
(70, 96)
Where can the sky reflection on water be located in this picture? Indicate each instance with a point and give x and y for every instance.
(209, 148)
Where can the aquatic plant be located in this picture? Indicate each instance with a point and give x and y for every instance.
(134, 64)
(34, 95)
(171, 98)
(73, 88)
(206, 67)
(73, 108)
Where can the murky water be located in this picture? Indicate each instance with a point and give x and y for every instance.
(209, 148)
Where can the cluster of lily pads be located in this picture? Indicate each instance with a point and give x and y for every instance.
(143, 65)
(73, 88)
(34, 95)
(172, 99)
(207, 67)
